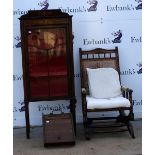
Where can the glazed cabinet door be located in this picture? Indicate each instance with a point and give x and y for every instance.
(47, 57)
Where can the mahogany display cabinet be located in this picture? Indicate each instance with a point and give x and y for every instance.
(47, 59)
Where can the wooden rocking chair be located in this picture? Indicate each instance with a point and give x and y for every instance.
(104, 61)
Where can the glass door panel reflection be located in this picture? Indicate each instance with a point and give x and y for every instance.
(58, 63)
(47, 62)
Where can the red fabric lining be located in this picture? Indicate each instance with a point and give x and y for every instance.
(48, 78)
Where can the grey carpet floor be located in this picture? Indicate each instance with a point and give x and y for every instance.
(101, 144)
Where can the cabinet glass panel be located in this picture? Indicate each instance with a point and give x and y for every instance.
(47, 62)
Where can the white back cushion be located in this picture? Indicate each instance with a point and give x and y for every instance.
(103, 83)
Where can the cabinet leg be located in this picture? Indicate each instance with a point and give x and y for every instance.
(72, 110)
(27, 120)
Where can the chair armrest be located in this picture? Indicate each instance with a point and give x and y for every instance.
(83, 91)
(127, 93)
(125, 89)
(84, 102)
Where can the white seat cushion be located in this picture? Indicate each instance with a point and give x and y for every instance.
(103, 83)
(94, 103)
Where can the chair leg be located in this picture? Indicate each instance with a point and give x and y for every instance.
(125, 119)
(87, 135)
(121, 117)
(86, 130)
(90, 121)
(130, 128)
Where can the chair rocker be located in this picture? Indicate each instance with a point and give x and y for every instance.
(101, 91)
